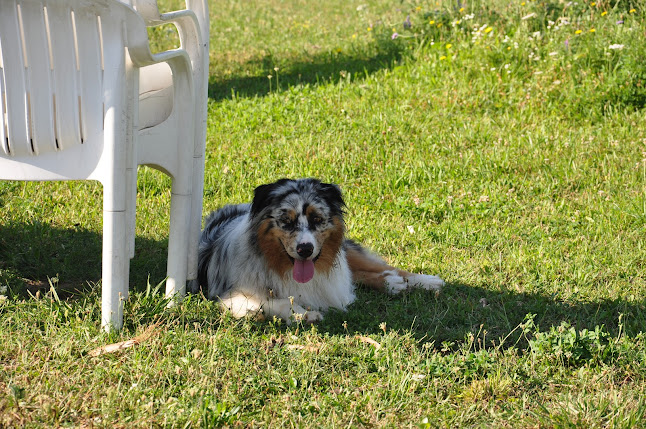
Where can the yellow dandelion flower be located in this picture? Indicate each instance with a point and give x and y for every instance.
(604, 13)
(431, 22)
(522, 4)
(632, 11)
(418, 8)
(592, 30)
(593, 4)
(439, 24)
(509, 48)
(461, 9)
(488, 30)
(448, 46)
(578, 32)
(369, 28)
(354, 36)
(394, 30)
(443, 57)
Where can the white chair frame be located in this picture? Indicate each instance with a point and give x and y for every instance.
(70, 101)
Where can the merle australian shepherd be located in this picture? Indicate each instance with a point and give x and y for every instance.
(285, 255)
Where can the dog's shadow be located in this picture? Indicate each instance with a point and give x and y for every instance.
(461, 310)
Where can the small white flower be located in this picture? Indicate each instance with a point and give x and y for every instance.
(411, 229)
(616, 47)
(3, 290)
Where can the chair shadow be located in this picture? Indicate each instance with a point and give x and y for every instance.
(323, 68)
(33, 255)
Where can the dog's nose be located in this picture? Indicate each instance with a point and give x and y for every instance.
(305, 250)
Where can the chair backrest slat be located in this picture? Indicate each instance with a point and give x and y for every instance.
(64, 75)
(89, 52)
(16, 140)
(38, 77)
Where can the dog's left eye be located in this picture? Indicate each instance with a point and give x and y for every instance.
(316, 220)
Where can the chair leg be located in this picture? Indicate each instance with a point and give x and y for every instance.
(180, 211)
(116, 264)
(196, 216)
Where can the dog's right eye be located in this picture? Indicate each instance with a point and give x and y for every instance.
(287, 222)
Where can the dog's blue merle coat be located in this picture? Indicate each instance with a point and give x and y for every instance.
(214, 245)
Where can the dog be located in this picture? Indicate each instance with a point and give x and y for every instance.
(285, 255)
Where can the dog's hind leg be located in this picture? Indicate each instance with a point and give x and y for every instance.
(372, 271)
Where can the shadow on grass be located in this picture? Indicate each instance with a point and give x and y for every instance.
(488, 314)
(32, 255)
(324, 68)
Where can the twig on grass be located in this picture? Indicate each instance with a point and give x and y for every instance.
(115, 347)
(369, 341)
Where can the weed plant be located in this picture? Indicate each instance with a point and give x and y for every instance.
(500, 144)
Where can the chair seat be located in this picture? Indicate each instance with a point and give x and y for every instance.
(155, 95)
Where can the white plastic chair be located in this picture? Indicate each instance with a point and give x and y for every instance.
(70, 107)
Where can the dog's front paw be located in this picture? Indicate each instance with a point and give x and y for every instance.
(312, 317)
(425, 281)
(307, 316)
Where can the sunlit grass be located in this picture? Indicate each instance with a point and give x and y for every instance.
(501, 145)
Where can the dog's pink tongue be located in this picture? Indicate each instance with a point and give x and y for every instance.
(303, 271)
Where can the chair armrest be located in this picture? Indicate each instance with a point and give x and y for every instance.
(149, 11)
(139, 47)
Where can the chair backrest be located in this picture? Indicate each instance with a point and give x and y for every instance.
(63, 73)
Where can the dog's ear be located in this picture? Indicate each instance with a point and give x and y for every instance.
(333, 197)
(261, 198)
(263, 195)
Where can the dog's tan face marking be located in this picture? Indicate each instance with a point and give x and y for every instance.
(332, 239)
(270, 241)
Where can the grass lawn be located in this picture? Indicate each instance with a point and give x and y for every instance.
(500, 144)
